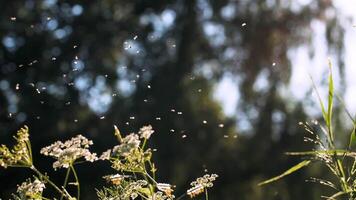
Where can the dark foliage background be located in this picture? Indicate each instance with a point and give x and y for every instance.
(69, 67)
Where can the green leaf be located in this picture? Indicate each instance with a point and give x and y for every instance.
(319, 98)
(342, 103)
(352, 138)
(145, 191)
(289, 171)
(327, 114)
(331, 95)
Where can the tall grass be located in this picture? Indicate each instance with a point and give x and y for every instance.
(340, 162)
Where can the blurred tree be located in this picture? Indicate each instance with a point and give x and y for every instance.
(73, 66)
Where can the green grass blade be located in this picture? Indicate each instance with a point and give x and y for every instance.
(330, 106)
(342, 103)
(353, 119)
(325, 116)
(352, 138)
(331, 95)
(289, 171)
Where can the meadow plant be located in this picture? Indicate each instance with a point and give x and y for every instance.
(30, 190)
(340, 162)
(131, 159)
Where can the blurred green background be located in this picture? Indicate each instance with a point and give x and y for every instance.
(224, 83)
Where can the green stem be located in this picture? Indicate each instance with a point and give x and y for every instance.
(147, 175)
(182, 196)
(150, 177)
(144, 143)
(77, 181)
(20, 166)
(29, 148)
(142, 195)
(206, 194)
(331, 134)
(353, 167)
(65, 181)
(340, 173)
(33, 168)
(150, 186)
(152, 169)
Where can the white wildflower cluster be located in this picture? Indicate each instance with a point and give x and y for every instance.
(132, 161)
(129, 143)
(68, 152)
(161, 196)
(165, 187)
(20, 154)
(128, 155)
(126, 190)
(105, 155)
(206, 181)
(146, 132)
(31, 190)
(133, 188)
(115, 179)
(130, 158)
(200, 184)
(165, 192)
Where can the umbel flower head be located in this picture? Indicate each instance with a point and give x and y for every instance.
(115, 179)
(68, 152)
(20, 155)
(166, 188)
(200, 184)
(146, 132)
(129, 155)
(129, 143)
(31, 190)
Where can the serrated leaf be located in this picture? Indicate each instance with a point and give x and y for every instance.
(289, 171)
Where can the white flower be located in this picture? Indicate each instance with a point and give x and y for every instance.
(129, 143)
(206, 181)
(196, 190)
(114, 179)
(31, 189)
(132, 139)
(66, 153)
(200, 184)
(105, 155)
(146, 132)
(91, 157)
(165, 187)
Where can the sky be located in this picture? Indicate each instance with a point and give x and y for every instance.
(349, 8)
(227, 94)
